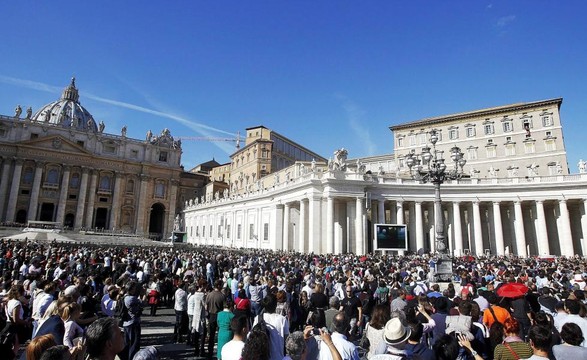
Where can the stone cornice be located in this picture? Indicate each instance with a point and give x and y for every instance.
(476, 113)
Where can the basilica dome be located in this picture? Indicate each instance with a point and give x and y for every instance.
(67, 112)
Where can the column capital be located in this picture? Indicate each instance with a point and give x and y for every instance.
(18, 161)
(562, 201)
(66, 167)
(456, 203)
(144, 177)
(496, 202)
(539, 202)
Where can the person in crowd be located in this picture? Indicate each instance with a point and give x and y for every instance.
(70, 314)
(494, 313)
(214, 305)
(571, 348)
(14, 310)
(395, 338)
(181, 312)
(539, 338)
(334, 306)
(239, 325)
(572, 308)
(277, 324)
(353, 309)
(346, 349)
(512, 347)
(42, 302)
(256, 346)
(375, 327)
(38, 345)
(108, 301)
(104, 339)
(242, 304)
(224, 319)
(132, 323)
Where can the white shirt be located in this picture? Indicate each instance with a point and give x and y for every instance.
(346, 349)
(560, 320)
(279, 327)
(232, 350)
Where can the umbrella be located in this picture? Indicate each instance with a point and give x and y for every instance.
(512, 290)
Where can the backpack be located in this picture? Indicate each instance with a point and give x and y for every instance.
(121, 312)
(382, 295)
(261, 325)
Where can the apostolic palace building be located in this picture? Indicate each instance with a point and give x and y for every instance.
(59, 165)
(516, 195)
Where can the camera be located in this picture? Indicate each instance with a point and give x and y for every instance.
(316, 331)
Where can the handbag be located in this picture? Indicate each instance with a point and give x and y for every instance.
(364, 343)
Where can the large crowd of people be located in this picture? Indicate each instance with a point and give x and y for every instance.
(78, 301)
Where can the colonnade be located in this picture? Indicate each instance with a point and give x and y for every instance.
(325, 223)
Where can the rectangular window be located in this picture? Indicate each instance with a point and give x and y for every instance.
(507, 126)
(400, 142)
(134, 154)
(508, 139)
(238, 231)
(204, 230)
(423, 138)
(547, 120)
(219, 230)
(80, 143)
(488, 129)
(472, 154)
(109, 149)
(529, 148)
(470, 131)
(2, 132)
(453, 134)
(412, 139)
(251, 231)
(550, 145)
(163, 156)
(510, 150)
(197, 231)
(228, 231)
(491, 152)
(548, 133)
(266, 232)
(34, 136)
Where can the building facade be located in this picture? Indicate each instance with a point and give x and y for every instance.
(331, 207)
(519, 140)
(60, 165)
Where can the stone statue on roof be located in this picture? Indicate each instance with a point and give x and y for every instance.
(17, 111)
(29, 112)
(101, 126)
(582, 166)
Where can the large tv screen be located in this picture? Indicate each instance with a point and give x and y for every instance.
(391, 237)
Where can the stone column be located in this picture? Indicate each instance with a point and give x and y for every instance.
(302, 228)
(276, 239)
(116, 194)
(63, 195)
(584, 227)
(432, 227)
(338, 234)
(141, 211)
(419, 226)
(34, 202)
(91, 197)
(541, 230)
(285, 245)
(329, 225)
(519, 229)
(359, 228)
(314, 224)
(14, 190)
(381, 211)
(564, 230)
(81, 201)
(499, 243)
(458, 230)
(477, 228)
(4, 186)
(400, 218)
(168, 228)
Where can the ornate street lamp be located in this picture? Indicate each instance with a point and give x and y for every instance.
(429, 167)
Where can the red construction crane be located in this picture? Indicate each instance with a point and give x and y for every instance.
(236, 140)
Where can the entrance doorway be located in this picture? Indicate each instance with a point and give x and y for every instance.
(47, 212)
(156, 220)
(20, 217)
(68, 221)
(101, 221)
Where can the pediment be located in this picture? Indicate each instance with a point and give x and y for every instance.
(56, 143)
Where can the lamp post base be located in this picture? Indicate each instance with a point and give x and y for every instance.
(444, 271)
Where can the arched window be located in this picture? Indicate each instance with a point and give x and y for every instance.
(130, 186)
(74, 182)
(160, 190)
(28, 174)
(53, 177)
(105, 182)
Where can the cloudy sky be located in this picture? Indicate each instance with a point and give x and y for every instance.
(326, 74)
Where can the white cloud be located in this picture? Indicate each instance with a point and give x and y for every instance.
(202, 129)
(489, 6)
(505, 20)
(357, 123)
